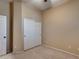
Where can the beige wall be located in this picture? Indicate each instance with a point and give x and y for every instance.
(61, 27)
(30, 12)
(4, 10)
(17, 32)
(21, 11)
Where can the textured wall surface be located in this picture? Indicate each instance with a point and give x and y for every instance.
(21, 11)
(61, 27)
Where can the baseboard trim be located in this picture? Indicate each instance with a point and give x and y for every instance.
(22, 51)
(61, 50)
(32, 47)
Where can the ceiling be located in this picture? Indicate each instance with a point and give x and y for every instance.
(41, 5)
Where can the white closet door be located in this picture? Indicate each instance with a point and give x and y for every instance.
(3, 30)
(32, 33)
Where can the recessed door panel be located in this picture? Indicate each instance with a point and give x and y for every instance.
(3, 27)
(32, 33)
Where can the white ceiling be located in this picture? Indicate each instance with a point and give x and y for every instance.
(41, 5)
(56, 3)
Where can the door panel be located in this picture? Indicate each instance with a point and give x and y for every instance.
(32, 33)
(3, 34)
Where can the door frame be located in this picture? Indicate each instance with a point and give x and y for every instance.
(11, 14)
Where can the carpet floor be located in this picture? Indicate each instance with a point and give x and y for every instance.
(39, 53)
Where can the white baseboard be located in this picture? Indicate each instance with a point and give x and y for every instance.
(22, 51)
(48, 46)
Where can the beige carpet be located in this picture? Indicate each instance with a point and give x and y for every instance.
(39, 53)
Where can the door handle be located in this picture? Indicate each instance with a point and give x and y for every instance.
(4, 37)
